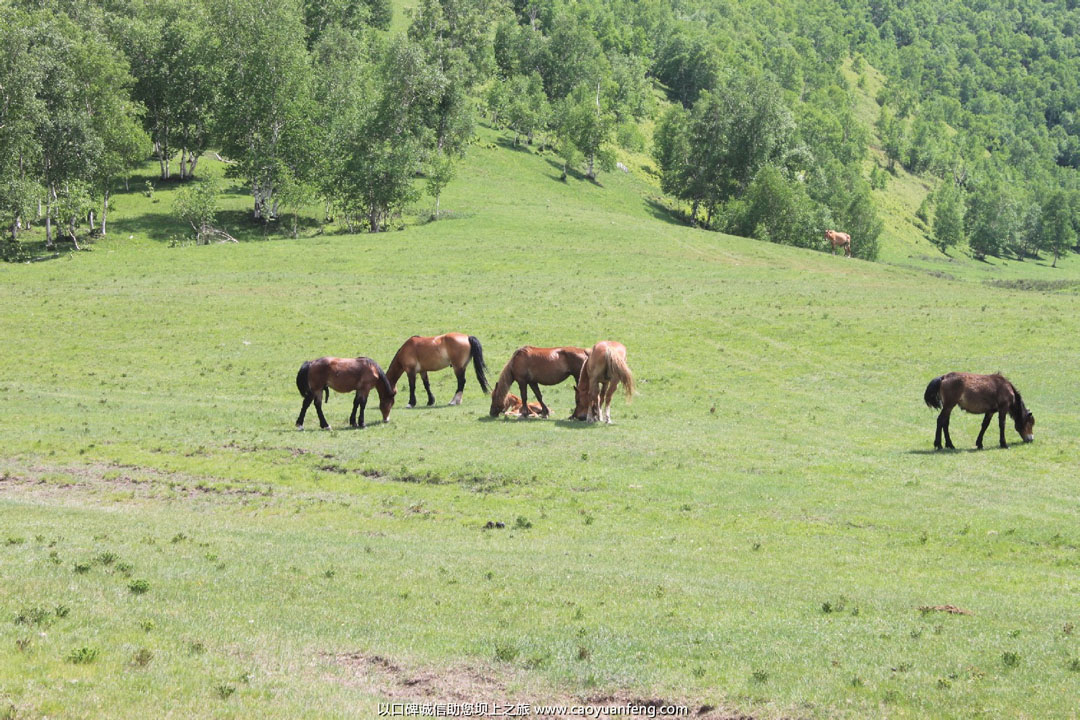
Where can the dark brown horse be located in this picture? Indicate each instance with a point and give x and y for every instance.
(428, 354)
(531, 367)
(600, 375)
(978, 394)
(839, 240)
(343, 375)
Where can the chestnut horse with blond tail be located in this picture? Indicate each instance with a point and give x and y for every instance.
(428, 354)
(531, 367)
(600, 376)
(343, 375)
(984, 394)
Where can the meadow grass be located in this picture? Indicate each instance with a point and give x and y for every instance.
(757, 530)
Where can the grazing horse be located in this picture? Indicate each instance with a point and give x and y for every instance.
(839, 239)
(600, 375)
(531, 367)
(512, 405)
(343, 375)
(978, 394)
(428, 354)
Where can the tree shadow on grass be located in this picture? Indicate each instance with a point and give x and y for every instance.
(508, 144)
(663, 213)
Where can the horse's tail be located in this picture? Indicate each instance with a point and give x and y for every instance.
(478, 362)
(617, 368)
(301, 379)
(502, 387)
(932, 396)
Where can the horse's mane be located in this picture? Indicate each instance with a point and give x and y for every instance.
(381, 375)
(498, 395)
(1018, 410)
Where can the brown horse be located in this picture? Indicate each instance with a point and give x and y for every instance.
(531, 367)
(428, 354)
(600, 375)
(512, 405)
(978, 394)
(343, 375)
(839, 239)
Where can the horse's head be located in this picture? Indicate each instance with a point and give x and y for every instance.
(583, 403)
(1026, 426)
(1022, 418)
(386, 402)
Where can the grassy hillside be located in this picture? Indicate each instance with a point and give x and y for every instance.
(756, 532)
(906, 240)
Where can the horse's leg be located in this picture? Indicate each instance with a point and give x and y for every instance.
(355, 404)
(318, 408)
(986, 424)
(460, 372)
(303, 411)
(427, 387)
(524, 390)
(607, 399)
(1001, 425)
(945, 427)
(544, 412)
(363, 404)
(412, 389)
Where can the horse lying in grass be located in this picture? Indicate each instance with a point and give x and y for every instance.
(839, 240)
(978, 394)
(531, 367)
(317, 377)
(600, 375)
(428, 354)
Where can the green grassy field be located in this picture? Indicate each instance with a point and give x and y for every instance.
(756, 532)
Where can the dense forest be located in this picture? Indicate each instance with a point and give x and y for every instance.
(746, 107)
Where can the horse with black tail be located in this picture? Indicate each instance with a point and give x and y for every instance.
(429, 354)
(316, 377)
(984, 394)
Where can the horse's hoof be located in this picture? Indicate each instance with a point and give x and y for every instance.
(979, 447)
(362, 426)
(410, 406)
(1004, 446)
(299, 426)
(327, 427)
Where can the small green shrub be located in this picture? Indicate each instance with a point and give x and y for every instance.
(82, 656)
(139, 587)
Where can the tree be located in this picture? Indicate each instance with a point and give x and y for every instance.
(779, 210)
(266, 116)
(1058, 232)
(440, 172)
(948, 216)
(584, 124)
(527, 109)
(992, 219)
(173, 55)
(20, 79)
(196, 205)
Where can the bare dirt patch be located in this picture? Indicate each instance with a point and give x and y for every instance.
(462, 683)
